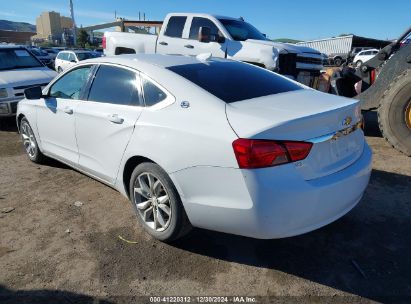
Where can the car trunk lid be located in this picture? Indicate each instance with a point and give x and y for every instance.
(329, 122)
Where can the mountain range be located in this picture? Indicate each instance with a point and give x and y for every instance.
(17, 26)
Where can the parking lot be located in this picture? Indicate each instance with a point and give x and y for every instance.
(51, 247)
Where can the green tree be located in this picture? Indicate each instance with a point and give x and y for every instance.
(82, 38)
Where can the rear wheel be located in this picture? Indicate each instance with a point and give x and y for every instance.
(30, 142)
(157, 203)
(338, 61)
(394, 113)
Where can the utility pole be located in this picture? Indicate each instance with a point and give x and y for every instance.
(74, 23)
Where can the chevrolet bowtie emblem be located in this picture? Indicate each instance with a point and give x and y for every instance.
(347, 121)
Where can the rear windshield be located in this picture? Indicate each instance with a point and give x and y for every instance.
(234, 81)
(84, 56)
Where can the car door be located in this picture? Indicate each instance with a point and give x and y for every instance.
(171, 42)
(55, 115)
(195, 47)
(105, 122)
(72, 60)
(64, 61)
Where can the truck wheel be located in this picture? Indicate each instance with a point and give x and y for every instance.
(338, 61)
(394, 113)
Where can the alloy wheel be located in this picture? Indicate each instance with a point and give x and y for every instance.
(29, 141)
(152, 201)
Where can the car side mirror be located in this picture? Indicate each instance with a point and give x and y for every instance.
(72, 60)
(33, 93)
(204, 34)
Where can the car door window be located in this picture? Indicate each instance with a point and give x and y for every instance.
(64, 56)
(175, 26)
(71, 84)
(199, 22)
(152, 93)
(116, 86)
(71, 57)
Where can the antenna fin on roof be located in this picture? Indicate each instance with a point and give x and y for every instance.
(204, 56)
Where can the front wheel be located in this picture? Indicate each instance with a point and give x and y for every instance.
(30, 143)
(358, 63)
(394, 113)
(157, 203)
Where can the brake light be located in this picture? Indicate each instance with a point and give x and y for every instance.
(373, 76)
(104, 42)
(256, 153)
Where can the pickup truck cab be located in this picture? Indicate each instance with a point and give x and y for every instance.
(19, 70)
(224, 37)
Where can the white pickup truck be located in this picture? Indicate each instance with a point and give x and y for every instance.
(233, 38)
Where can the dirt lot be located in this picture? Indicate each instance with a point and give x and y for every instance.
(365, 256)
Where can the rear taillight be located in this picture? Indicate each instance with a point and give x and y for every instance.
(104, 42)
(256, 153)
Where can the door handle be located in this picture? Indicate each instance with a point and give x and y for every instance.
(163, 43)
(189, 46)
(115, 119)
(68, 110)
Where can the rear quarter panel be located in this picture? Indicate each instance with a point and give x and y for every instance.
(177, 138)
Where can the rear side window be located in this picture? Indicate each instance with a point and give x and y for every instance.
(234, 81)
(175, 26)
(152, 93)
(116, 86)
(199, 22)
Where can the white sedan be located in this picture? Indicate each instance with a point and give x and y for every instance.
(203, 142)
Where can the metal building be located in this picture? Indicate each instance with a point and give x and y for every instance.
(343, 44)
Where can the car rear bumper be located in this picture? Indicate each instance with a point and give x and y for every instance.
(269, 203)
(9, 107)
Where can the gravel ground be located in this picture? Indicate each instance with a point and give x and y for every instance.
(51, 249)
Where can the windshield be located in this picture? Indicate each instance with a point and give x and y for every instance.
(17, 59)
(233, 81)
(241, 30)
(84, 56)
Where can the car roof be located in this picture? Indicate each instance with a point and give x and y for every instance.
(157, 60)
(75, 51)
(368, 50)
(203, 15)
(11, 46)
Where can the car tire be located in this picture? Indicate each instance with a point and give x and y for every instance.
(157, 203)
(59, 70)
(30, 143)
(358, 63)
(394, 113)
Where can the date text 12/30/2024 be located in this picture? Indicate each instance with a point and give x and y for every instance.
(203, 299)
